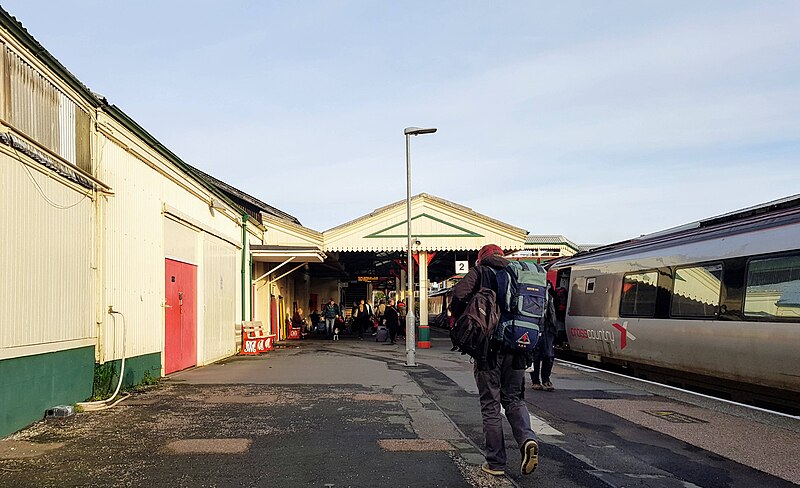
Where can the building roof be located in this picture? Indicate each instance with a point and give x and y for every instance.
(426, 196)
(264, 207)
(550, 239)
(437, 225)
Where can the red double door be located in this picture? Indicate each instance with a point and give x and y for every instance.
(180, 313)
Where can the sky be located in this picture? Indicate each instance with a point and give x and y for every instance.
(600, 121)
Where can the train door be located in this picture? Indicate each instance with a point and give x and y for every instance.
(562, 302)
(180, 316)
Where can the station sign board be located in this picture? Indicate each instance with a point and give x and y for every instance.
(462, 267)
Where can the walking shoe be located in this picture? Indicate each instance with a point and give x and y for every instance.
(494, 472)
(537, 386)
(548, 386)
(530, 456)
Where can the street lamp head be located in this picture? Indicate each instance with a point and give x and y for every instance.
(415, 131)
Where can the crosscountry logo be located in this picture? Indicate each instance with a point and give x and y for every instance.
(623, 334)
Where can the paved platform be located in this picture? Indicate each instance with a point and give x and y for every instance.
(349, 413)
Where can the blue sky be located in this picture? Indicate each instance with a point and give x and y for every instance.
(597, 120)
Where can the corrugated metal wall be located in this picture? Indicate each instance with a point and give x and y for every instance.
(219, 274)
(134, 250)
(140, 236)
(46, 292)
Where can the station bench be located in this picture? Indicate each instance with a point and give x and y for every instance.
(255, 339)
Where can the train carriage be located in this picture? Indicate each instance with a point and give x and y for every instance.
(716, 301)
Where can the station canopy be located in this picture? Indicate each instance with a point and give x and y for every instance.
(374, 246)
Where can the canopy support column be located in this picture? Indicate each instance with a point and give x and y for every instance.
(424, 340)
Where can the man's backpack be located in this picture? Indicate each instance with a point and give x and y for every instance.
(474, 328)
(522, 299)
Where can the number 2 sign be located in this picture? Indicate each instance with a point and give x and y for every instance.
(462, 267)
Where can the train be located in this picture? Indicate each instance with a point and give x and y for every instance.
(714, 304)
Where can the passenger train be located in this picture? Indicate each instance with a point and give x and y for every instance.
(714, 304)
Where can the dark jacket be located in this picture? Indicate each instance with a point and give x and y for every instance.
(478, 277)
(483, 276)
(330, 311)
(391, 317)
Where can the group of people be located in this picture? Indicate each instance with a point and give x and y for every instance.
(363, 318)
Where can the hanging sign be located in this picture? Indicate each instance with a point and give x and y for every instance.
(462, 267)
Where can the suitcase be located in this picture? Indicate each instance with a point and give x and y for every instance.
(383, 334)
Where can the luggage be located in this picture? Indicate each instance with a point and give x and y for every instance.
(383, 334)
(523, 299)
(474, 328)
(321, 327)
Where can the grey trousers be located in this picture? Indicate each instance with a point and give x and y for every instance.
(502, 386)
(329, 325)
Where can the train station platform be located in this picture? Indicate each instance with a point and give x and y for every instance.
(349, 413)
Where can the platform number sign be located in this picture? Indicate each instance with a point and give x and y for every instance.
(462, 267)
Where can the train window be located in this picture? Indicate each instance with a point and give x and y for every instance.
(696, 291)
(639, 292)
(590, 285)
(773, 288)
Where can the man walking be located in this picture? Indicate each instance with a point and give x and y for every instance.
(391, 319)
(330, 313)
(500, 378)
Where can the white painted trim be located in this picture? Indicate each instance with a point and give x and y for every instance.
(44, 348)
(181, 218)
(181, 260)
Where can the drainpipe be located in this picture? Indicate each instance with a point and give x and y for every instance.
(244, 266)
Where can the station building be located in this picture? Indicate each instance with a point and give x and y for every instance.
(114, 247)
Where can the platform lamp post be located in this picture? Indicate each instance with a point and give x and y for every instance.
(410, 319)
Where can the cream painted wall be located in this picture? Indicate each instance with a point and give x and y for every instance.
(46, 276)
(158, 212)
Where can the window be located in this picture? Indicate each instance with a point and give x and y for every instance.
(35, 106)
(697, 291)
(590, 285)
(639, 294)
(773, 288)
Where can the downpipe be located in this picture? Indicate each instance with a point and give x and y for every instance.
(104, 404)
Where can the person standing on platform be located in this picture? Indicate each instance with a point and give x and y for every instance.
(363, 319)
(401, 310)
(391, 319)
(380, 309)
(315, 318)
(500, 377)
(543, 354)
(330, 313)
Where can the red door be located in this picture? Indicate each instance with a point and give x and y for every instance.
(180, 316)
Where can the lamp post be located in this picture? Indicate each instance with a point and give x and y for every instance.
(410, 319)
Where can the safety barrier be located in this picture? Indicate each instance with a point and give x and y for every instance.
(255, 340)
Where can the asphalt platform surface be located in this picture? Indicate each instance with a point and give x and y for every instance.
(348, 413)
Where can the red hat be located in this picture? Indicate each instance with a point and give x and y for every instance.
(488, 250)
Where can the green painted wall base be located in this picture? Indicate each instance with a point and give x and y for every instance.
(106, 375)
(32, 384)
